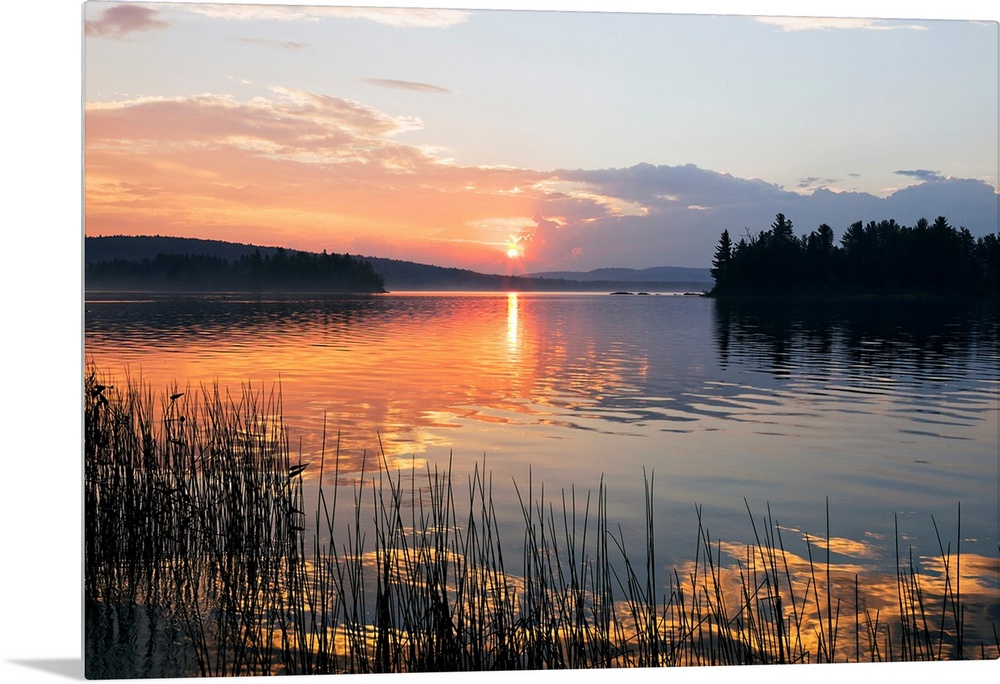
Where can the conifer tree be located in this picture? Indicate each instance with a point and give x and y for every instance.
(721, 261)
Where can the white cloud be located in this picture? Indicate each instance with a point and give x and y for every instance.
(837, 23)
(407, 85)
(295, 125)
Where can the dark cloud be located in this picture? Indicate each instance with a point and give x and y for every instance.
(965, 202)
(816, 182)
(688, 207)
(407, 85)
(121, 20)
(666, 188)
(921, 174)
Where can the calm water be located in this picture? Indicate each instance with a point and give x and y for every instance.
(886, 410)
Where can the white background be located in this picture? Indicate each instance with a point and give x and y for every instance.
(40, 553)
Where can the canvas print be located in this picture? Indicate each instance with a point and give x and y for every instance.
(463, 340)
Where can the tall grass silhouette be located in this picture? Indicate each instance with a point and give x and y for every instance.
(203, 558)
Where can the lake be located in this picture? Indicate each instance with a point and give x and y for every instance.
(876, 423)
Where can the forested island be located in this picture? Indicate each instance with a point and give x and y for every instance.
(281, 269)
(877, 258)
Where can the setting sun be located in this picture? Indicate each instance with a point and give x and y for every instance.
(513, 247)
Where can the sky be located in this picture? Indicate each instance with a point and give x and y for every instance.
(511, 141)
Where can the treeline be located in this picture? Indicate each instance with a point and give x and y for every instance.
(284, 271)
(881, 257)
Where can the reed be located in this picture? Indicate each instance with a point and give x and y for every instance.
(201, 558)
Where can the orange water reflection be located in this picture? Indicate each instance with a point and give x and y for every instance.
(342, 369)
(376, 380)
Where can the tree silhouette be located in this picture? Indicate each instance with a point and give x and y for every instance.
(284, 271)
(723, 257)
(880, 257)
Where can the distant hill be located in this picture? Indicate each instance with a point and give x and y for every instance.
(658, 274)
(402, 275)
(407, 275)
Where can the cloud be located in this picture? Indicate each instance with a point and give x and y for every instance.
(836, 23)
(284, 44)
(965, 202)
(407, 85)
(121, 20)
(688, 207)
(388, 16)
(666, 188)
(813, 182)
(921, 174)
(584, 192)
(548, 240)
(294, 125)
(404, 17)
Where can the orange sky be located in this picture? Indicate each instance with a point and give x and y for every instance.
(301, 171)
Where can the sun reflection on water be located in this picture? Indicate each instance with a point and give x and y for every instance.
(513, 345)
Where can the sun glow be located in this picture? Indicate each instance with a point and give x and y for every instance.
(513, 247)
